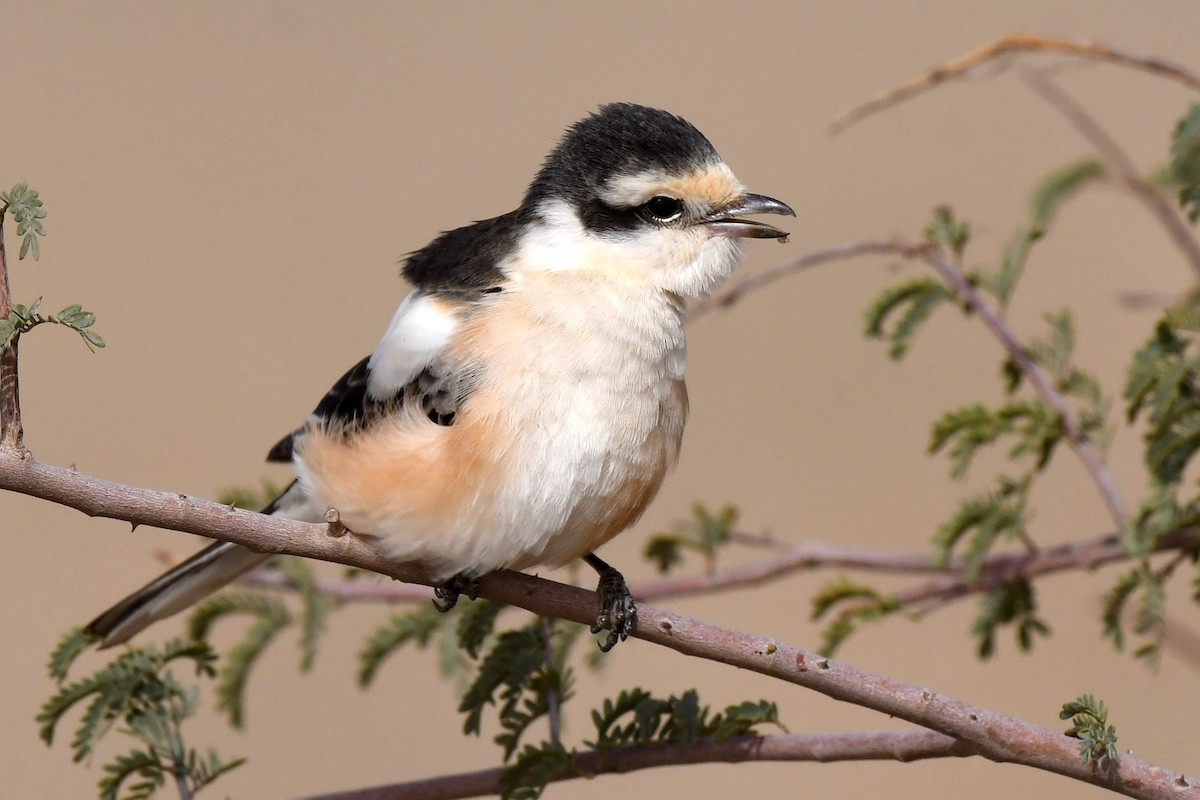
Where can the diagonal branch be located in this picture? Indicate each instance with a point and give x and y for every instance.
(1041, 383)
(878, 746)
(969, 295)
(753, 283)
(1121, 165)
(797, 558)
(949, 581)
(1016, 43)
(993, 735)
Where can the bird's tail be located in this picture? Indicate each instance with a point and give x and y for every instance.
(193, 580)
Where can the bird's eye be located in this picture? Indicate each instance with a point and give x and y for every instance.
(663, 209)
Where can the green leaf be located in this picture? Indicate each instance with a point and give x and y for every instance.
(607, 717)
(1011, 604)
(78, 320)
(1089, 724)
(136, 763)
(706, 533)
(27, 211)
(1185, 162)
(9, 331)
(271, 617)
(416, 626)
(315, 606)
(986, 517)
(681, 719)
(665, 551)
(203, 770)
(914, 301)
(73, 642)
(839, 591)
(476, 624)
(855, 603)
(1061, 185)
(1003, 281)
(533, 770)
(508, 666)
(1037, 428)
(948, 231)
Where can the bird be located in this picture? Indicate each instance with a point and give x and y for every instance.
(527, 398)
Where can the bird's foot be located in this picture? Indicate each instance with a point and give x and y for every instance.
(618, 611)
(445, 597)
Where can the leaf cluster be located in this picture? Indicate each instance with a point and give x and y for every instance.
(1012, 604)
(1184, 167)
(270, 618)
(855, 603)
(1163, 387)
(637, 717)
(139, 691)
(705, 534)
(1162, 391)
(1025, 422)
(27, 211)
(1089, 724)
(25, 318)
(517, 675)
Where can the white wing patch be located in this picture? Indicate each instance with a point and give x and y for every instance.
(419, 332)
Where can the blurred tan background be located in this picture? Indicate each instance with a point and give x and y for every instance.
(230, 186)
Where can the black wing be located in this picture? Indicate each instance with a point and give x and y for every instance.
(348, 407)
(345, 403)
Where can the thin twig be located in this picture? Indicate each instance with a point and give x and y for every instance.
(797, 558)
(1016, 43)
(12, 433)
(994, 736)
(949, 585)
(1120, 163)
(1001, 570)
(881, 746)
(1041, 383)
(739, 289)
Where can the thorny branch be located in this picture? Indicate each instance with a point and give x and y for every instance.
(1000, 738)
(1015, 43)
(993, 736)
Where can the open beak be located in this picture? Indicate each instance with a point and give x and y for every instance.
(727, 222)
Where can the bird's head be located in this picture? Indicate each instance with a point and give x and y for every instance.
(640, 194)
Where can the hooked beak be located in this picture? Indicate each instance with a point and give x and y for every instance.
(726, 222)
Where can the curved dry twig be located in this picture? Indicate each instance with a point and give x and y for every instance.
(1015, 43)
(1120, 164)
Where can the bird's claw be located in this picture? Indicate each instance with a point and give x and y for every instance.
(445, 597)
(618, 611)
